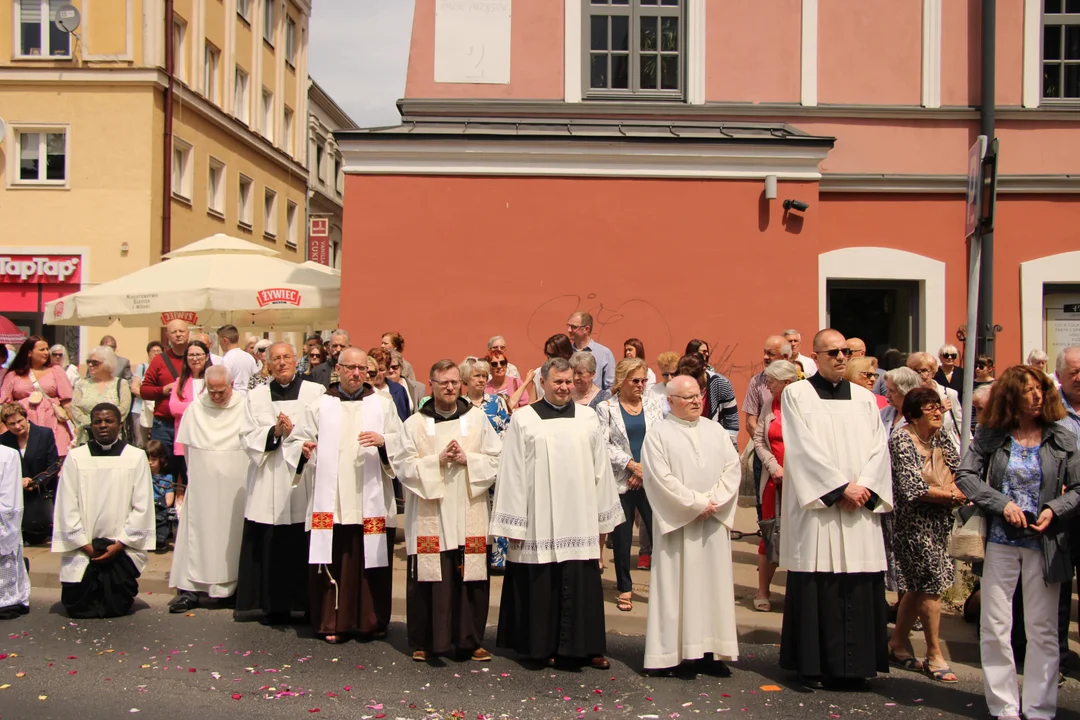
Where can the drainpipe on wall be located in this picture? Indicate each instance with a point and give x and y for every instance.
(166, 185)
(986, 328)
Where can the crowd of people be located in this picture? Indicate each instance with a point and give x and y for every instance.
(282, 479)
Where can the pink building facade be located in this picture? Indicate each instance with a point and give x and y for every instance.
(612, 156)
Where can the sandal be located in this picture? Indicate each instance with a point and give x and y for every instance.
(942, 675)
(334, 639)
(762, 605)
(624, 604)
(906, 663)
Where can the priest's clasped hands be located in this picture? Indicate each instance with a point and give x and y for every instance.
(366, 439)
(111, 552)
(283, 426)
(452, 453)
(709, 510)
(854, 497)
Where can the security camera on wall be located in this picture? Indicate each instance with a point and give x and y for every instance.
(796, 205)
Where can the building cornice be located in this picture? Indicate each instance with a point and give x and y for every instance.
(581, 158)
(787, 111)
(24, 75)
(321, 99)
(945, 184)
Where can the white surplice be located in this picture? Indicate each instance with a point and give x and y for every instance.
(692, 590)
(275, 496)
(556, 492)
(207, 555)
(348, 504)
(828, 444)
(108, 496)
(14, 581)
(441, 501)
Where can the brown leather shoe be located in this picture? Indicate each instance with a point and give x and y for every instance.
(481, 655)
(600, 663)
(420, 655)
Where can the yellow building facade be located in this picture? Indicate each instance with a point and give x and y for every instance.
(83, 151)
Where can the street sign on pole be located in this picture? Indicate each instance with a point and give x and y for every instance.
(975, 185)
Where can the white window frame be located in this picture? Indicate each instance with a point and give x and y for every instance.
(215, 192)
(14, 170)
(336, 184)
(292, 229)
(242, 95)
(211, 68)
(45, 25)
(268, 22)
(180, 32)
(182, 180)
(290, 41)
(290, 141)
(243, 9)
(270, 213)
(246, 188)
(266, 116)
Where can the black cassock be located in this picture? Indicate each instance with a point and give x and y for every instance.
(835, 624)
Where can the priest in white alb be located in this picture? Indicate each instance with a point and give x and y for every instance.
(14, 580)
(207, 555)
(103, 522)
(837, 485)
(273, 567)
(555, 495)
(691, 475)
(446, 460)
(352, 512)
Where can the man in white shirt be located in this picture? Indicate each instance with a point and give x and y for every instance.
(239, 363)
(794, 338)
(204, 338)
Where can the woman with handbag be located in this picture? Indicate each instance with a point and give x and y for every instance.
(42, 388)
(924, 461)
(769, 445)
(102, 386)
(1023, 473)
(40, 471)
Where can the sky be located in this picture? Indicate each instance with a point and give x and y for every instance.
(358, 53)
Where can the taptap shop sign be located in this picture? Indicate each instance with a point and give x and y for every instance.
(39, 268)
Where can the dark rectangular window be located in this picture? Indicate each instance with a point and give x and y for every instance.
(634, 48)
(1061, 49)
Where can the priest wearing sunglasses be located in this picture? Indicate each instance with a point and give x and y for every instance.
(837, 485)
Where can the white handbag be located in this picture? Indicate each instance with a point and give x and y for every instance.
(967, 541)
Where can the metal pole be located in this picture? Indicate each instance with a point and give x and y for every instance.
(974, 267)
(985, 324)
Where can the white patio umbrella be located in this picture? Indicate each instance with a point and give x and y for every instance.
(220, 280)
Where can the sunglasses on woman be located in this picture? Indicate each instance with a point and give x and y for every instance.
(948, 356)
(498, 363)
(315, 356)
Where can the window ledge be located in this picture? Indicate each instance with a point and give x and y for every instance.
(40, 58)
(272, 237)
(290, 245)
(181, 199)
(246, 227)
(216, 214)
(38, 185)
(1063, 103)
(290, 64)
(269, 42)
(247, 20)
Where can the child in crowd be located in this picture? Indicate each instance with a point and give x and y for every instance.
(164, 493)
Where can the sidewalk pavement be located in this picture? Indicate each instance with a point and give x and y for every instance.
(958, 639)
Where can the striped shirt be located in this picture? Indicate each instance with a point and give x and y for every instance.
(722, 404)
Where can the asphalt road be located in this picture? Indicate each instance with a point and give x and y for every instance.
(155, 665)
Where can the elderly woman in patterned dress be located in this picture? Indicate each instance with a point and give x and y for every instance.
(924, 460)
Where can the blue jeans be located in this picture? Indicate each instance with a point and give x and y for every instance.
(164, 431)
(623, 535)
(164, 522)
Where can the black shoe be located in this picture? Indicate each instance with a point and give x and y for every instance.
(276, 618)
(711, 666)
(184, 602)
(848, 684)
(811, 682)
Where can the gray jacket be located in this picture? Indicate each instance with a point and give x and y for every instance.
(982, 472)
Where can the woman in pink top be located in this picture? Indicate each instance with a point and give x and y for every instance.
(190, 383)
(514, 389)
(42, 388)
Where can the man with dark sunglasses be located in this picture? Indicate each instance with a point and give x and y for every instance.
(837, 484)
